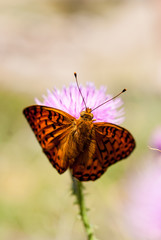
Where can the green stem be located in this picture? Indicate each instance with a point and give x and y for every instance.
(77, 188)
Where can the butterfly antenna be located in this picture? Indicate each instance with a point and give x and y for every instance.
(75, 75)
(124, 90)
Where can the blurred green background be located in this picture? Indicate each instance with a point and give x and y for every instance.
(42, 42)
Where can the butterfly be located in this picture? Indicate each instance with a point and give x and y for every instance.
(84, 146)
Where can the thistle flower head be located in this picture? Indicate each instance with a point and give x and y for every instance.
(70, 100)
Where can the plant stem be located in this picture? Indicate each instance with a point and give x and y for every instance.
(77, 188)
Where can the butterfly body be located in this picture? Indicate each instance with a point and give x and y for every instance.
(81, 142)
(84, 146)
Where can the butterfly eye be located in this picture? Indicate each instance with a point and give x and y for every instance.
(82, 113)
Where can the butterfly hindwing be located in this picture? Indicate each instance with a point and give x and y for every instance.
(90, 171)
(51, 126)
(55, 157)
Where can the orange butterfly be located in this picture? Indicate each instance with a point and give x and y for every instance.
(88, 148)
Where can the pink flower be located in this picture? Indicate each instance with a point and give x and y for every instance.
(143, 209)
(143, 189)
(70, 101)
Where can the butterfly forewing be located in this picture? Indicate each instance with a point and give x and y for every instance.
(113, 143)
(51, 126)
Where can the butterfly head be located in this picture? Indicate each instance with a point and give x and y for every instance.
(87, 115)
